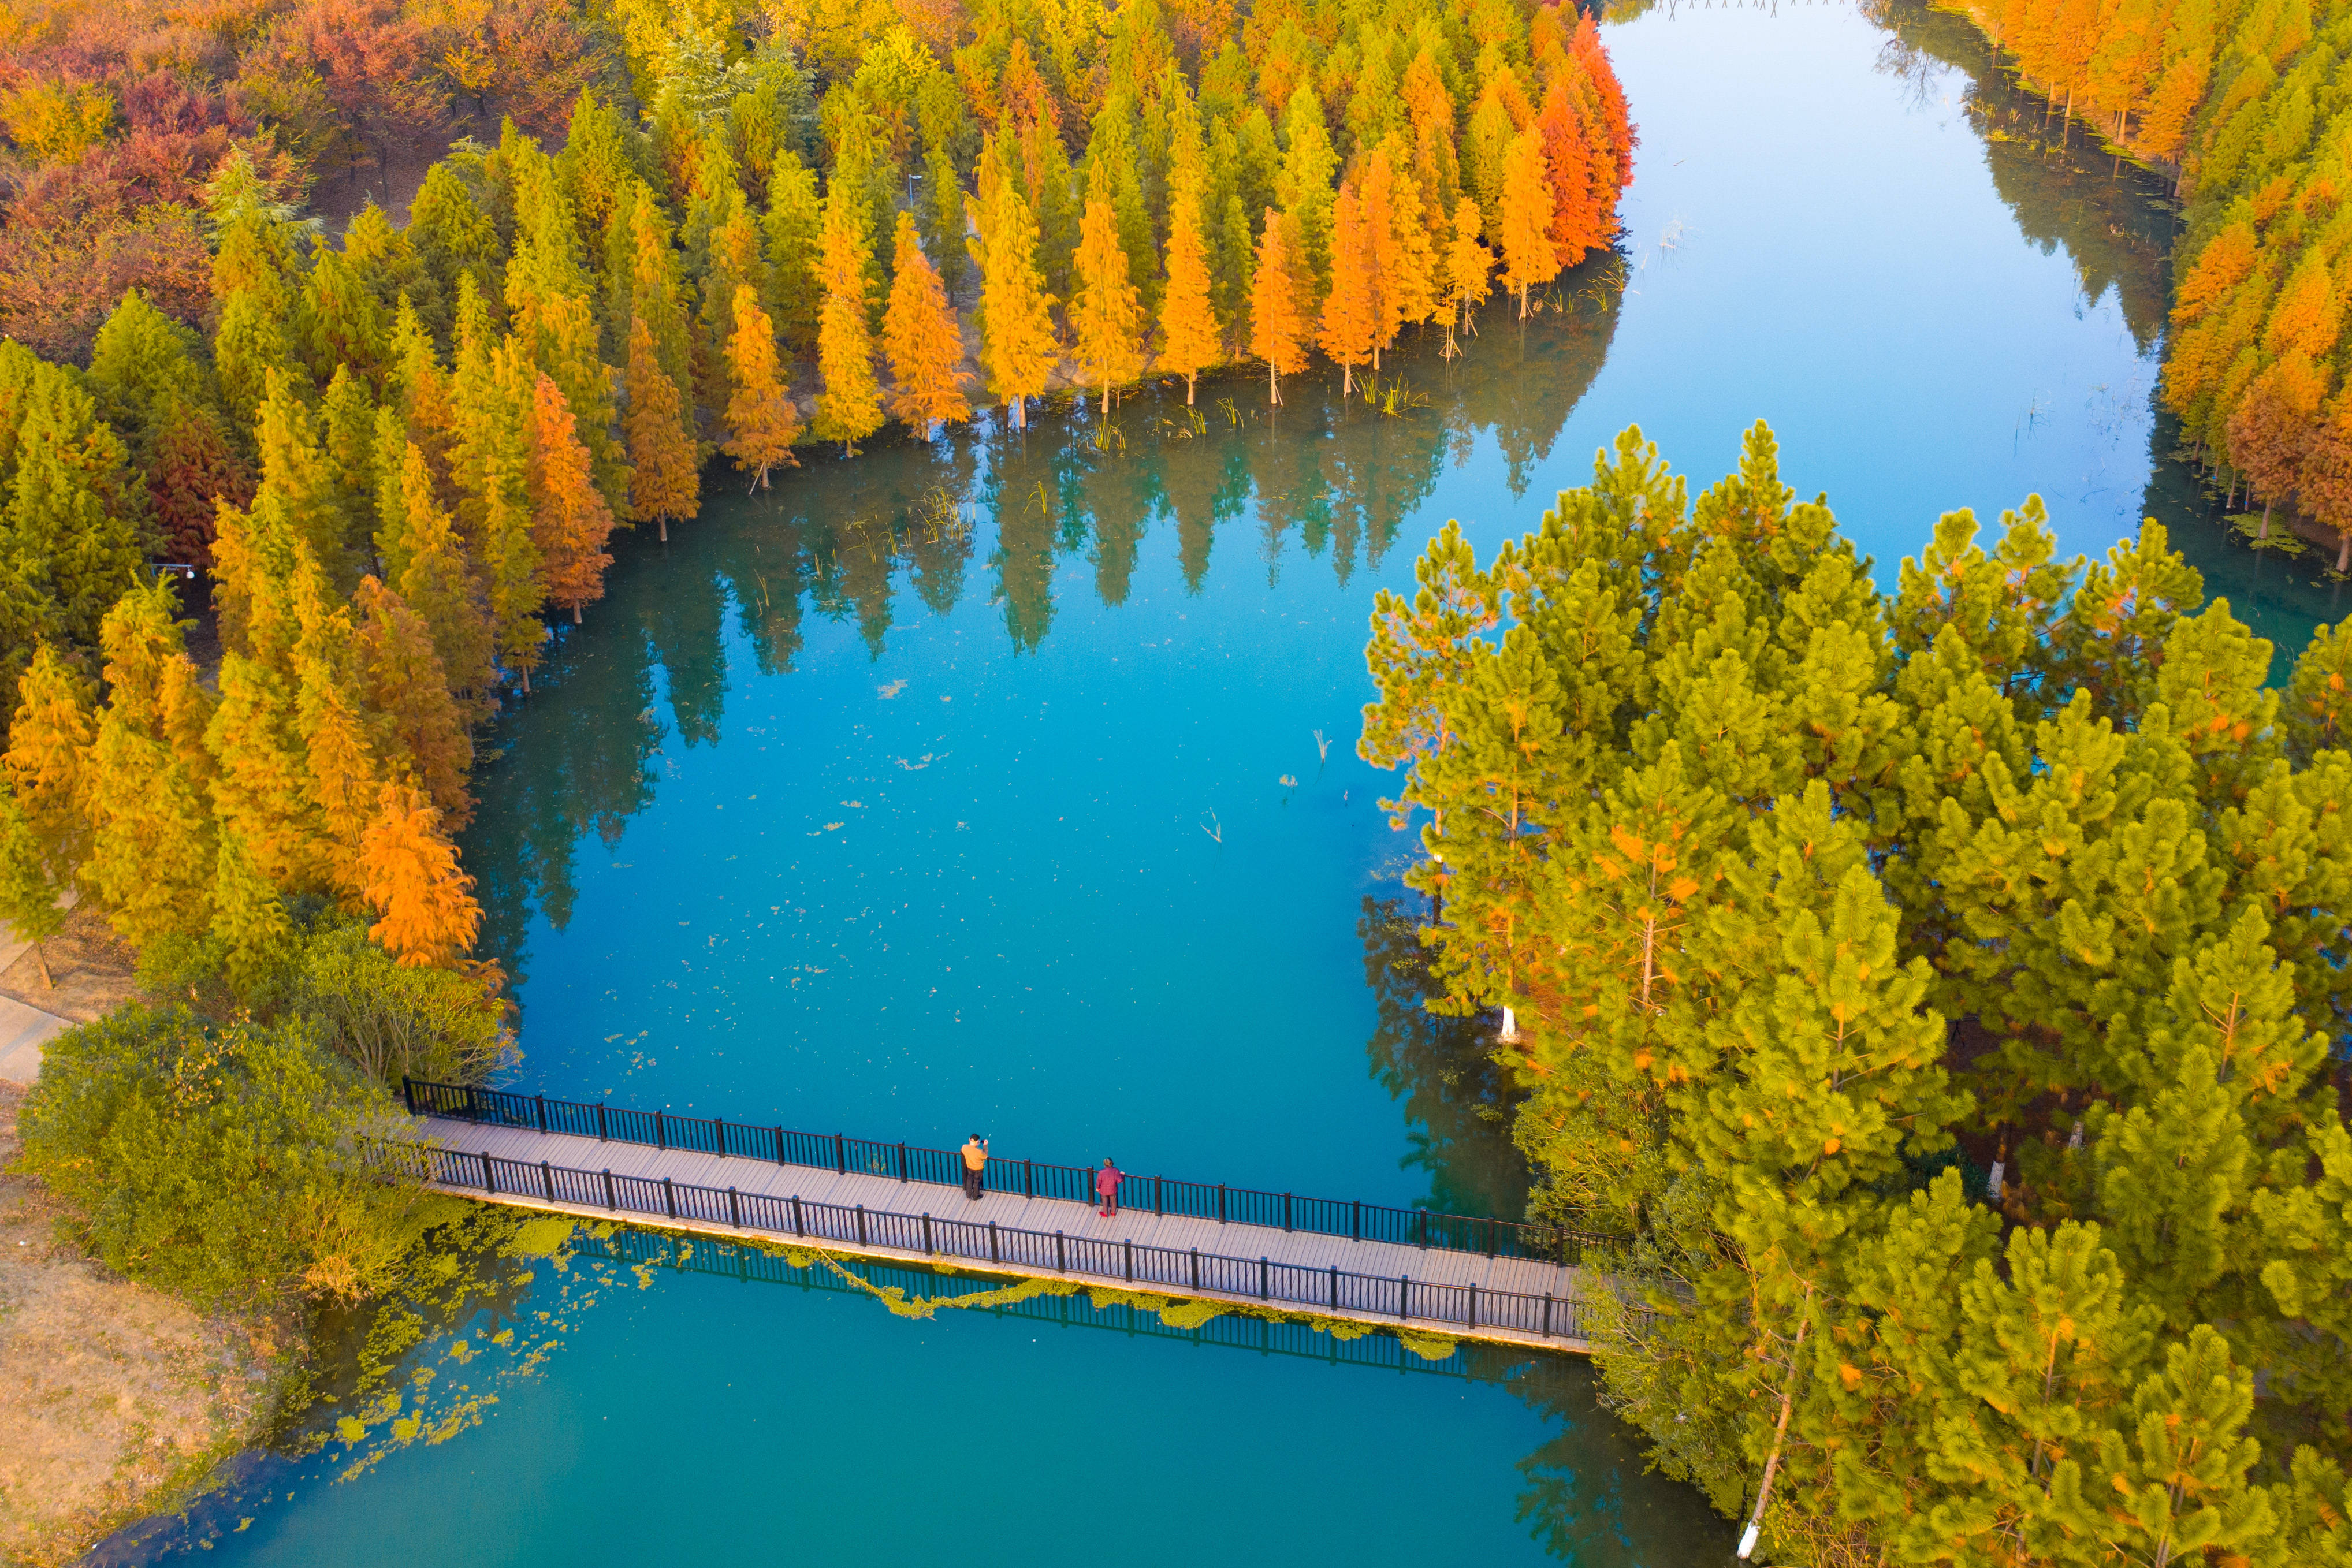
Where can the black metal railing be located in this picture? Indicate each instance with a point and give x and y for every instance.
(839, 1153)
(1290, 1285)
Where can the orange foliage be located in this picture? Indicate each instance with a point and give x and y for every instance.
(410, 878)
(570, 521)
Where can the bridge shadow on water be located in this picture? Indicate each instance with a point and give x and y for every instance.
(522, 1284)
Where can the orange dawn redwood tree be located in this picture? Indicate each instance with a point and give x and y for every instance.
(920, 336)
(1348, 329)
(1189, 334)
(570, 521)
(761, 424)
(1529, 256)
(428, 916)
(664, 485)
(1278, 325)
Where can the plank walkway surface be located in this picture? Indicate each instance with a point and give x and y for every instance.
(886, 1194)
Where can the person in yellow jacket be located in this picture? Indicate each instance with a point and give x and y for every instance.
(975, 1167)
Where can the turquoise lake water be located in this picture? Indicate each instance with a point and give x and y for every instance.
(978, 785)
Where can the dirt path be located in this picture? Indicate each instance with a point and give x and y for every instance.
(91, 966)
(115, 1400)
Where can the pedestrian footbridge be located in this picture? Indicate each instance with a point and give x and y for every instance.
(1463, 1277)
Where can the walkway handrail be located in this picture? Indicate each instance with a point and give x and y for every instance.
(1310, 1289)
(840, 1154)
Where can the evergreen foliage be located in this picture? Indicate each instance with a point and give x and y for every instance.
(1802, 894)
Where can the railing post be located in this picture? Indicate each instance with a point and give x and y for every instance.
(1028, 1179)
(799, 1227)
(1130, 1260)
(1546, 1315)
(600, 1136)
(473, 1104)
(490, 1181)
(1196, 1268)
(1356, 1221)
(1285, 1211)
(719, 1132)
(610, 1201)
(1473, 1306)
(1061, 1255)
(840, 1156)
(861, 1225)
(927, 1247)
(1335, 1286)
(1221, 1202)
(408, 1094)
(547, 1179)
(902, 1160)
(1405, 1288)
(661, 1133)
(1159, 1197)
(1490, 1236)
(992, 1243)
(669, 1197)
(780, 1145)
(1265, 1286)
(539, 1102)
(734, 1210)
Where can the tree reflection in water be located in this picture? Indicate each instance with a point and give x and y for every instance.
(897, 531)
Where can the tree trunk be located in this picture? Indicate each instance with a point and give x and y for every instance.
(1780, 1435)
(1273, 386)
(40, 955)
(2265, 532)
(575, 616)
(1190, 382)
(664, 523)
(2342, 553)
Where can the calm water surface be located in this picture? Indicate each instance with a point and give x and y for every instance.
(1010, 785)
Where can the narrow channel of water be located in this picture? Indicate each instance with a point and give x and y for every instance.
(1009, 784)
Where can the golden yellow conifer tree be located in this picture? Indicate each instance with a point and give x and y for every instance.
(849, 406)
(341, 770)
(1279, 318)
(761, 424)
(1107, 311)
(1468, 265)
(1017, 313)
(1190, 339)
(48, 756)
(664, 486)
(1396, 236)
(152, 822)
(414, 722)
(924, 343)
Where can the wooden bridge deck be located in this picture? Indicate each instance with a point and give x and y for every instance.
(883, 1194)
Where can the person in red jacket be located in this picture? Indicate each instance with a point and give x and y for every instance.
(1106, 1182)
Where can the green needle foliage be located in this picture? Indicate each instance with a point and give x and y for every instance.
(1816, 907)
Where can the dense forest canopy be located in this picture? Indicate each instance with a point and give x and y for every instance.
(1945, 991)
(2249, 104)
(395, 451)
